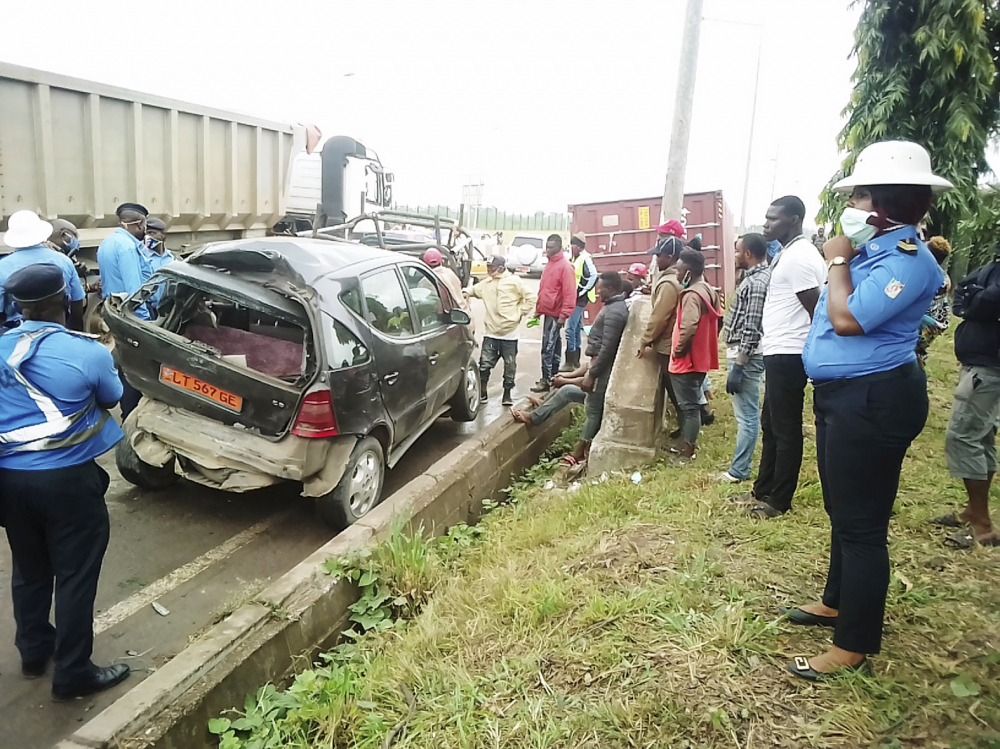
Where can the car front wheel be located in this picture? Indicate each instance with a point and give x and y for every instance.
(465, 402)
(359, 489)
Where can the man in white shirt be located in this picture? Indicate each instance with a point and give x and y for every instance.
(797, 276)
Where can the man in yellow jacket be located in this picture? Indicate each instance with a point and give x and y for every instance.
(507, 301)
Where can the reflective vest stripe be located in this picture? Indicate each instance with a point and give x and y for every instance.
(43, 436)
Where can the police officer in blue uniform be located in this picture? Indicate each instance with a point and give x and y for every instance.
(870, 394)
(56, 386)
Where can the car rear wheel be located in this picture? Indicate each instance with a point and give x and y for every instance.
(143, 475)
(465, 402)
(360, 488)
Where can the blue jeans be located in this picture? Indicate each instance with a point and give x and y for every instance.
(551, 347)
(556, 402)
(746, 408)
(688, 388)
(493, 350)
(574, 329)
(594, 406)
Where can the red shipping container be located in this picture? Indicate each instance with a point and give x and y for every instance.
(622, 232)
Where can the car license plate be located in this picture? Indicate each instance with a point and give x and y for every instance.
(182, 381)
(523, 269)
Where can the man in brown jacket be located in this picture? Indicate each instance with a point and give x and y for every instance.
(665, 296)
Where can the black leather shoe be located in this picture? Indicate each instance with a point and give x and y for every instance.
(800, 667)
(798, 616)
(33, 669)
(97, 680)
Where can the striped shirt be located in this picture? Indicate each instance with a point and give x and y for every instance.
(744, 324)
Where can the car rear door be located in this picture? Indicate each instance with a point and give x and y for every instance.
(443, 340)
(400, 357)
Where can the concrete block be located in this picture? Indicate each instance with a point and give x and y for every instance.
(632, 406)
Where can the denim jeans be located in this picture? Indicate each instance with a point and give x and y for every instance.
(688, 389)
(746, 408)
(574, 329)
(493, 349)
(560, 398)
(551, 347)
(594, 405)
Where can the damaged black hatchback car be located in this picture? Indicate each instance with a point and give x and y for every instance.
(290, 359)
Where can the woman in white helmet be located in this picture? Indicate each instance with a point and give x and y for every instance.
(870, 394)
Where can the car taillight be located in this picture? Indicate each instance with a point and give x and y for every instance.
(316, 417)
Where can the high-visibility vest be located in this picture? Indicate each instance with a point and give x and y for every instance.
(55, 429)
(578, 262)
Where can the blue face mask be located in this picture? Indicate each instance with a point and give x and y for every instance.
(152, 244)
(773, 247)
(72, 246)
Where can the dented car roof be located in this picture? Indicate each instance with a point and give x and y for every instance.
(299, 257)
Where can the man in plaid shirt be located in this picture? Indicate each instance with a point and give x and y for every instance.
(745, 362)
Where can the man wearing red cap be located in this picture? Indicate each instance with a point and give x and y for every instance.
(447, 276)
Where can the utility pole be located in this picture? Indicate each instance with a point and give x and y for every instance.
(680, 133)
(753, 122)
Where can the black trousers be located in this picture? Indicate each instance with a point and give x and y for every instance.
(493, 349)
(130, 396)
(781, 430)
(57, 528)
(863, 429)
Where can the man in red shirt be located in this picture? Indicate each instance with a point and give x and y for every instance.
(556, 302)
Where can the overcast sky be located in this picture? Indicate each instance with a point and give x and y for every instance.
(549, 102)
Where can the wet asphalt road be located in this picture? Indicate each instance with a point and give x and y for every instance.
(199, 553)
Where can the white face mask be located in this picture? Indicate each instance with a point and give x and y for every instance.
(854, 224)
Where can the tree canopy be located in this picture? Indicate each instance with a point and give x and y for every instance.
(927, 72)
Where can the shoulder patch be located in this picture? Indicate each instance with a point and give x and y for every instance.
(894, 288)
(907, 245)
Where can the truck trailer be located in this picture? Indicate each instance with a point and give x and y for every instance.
(76, 149)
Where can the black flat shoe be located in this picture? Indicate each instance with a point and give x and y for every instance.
(800, 667)
(33, 669)
(96, 681)
(797, 616)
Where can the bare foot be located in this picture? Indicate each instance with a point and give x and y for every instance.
(522, 416)
(536, 402)
(980, 526)
(818, 609)
(835, 658)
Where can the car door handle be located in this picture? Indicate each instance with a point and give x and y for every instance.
(433, 358)
(390, 379)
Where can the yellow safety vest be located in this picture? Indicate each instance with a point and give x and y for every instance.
(578, 263)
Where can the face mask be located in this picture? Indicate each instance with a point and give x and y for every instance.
(773, 247)
(686, 281)
(854, 224)
(72, 246)
(152, 244)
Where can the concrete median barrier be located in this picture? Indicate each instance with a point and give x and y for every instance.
(304, 611)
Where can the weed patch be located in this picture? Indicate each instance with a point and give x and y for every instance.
(624, 615)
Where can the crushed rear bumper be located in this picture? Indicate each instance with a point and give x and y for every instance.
(233, 459)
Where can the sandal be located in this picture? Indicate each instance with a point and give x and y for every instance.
(964, 540)
(568, 461)
(949, 520)
(763, 511)
(797, 616)
(800, 667)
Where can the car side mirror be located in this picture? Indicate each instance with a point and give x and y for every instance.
(459, 317)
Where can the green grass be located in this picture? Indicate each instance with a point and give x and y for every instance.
(624, 615)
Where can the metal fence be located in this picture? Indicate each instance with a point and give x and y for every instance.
(491, 219)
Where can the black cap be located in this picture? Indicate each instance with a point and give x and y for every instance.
(496, 261)
(154, 223)
(35, 283)
(668, 245)
(137, 207)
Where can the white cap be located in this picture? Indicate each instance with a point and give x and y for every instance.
(25, 229)
(893, 162)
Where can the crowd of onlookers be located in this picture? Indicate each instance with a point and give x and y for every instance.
(852, 316)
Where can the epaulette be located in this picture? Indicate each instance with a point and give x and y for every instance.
(909, 246)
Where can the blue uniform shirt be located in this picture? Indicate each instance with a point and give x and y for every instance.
(123, 265)
(39, 254)
(72, 371)
(157, 261)
(895, 278)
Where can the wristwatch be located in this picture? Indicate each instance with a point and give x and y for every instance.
(836, 261)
